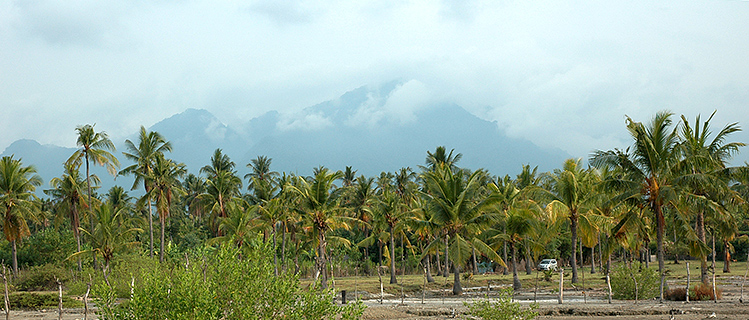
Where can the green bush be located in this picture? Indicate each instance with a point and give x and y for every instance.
(41, 278)
(222, 286)
(502, 309)
(35, 301)
(623, 282)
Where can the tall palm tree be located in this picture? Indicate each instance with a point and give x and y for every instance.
(150, 145)
(522, 219)
(458, 206)
(349, 176)
(221, 190)
(571, 194)
(194, 186)
(648, 171)
(705, 160)
(94, 146)
(165, 188)
(69, 192)
(17, 186)
(321, 213)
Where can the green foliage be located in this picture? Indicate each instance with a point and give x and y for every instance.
(47, 246)
(225, 285)
(34, 301)
(549, 275)
(41, 278)
(623, 280)
(502, 309)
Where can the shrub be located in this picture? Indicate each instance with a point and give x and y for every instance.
(623, 280)
(41, 278)
(678, 294)
(34, 301)
(223, 286)
(502, 309)
(704, 292)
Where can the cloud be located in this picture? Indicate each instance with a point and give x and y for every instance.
(308, 122)
(397, 106)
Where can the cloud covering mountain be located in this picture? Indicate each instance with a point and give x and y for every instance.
(372, 129)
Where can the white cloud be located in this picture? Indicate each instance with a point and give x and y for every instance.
(559, 73)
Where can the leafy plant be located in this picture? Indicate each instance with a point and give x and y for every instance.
(502, 309)
(634, 282)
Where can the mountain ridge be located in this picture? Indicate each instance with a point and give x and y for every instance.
(370, 129)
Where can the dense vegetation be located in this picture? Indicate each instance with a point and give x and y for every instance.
(671, 192)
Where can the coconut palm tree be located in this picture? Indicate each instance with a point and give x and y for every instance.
(459, 207)
(440, 157)
(648, 173)
(109, 235)
(522, 219)
(165, 188)
(703, 166)
(219, 162)
(94, 146)
(150, 145)
(220, 190)
(571, 194)
(17, 186)
(69, 192)
(320, 213)
(261, 179)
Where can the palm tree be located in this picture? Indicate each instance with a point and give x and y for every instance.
(165, 187)
(220, 190)
(219, 162)
(109, 236)
(69, 191)
(17, 186)
(522, 219)
(320, 213)
(458, 207)
(704, 162)
(571, 194)
(349, 176)
(440, 157)
(648, 172)
(94, 146)
(261, 179)
(391, 211)
(194, 186)
(150, 145)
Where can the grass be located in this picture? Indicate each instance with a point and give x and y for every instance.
(413, 282)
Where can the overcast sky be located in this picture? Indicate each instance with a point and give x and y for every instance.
(560, 73)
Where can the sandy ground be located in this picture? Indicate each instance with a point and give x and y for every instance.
(440, 305)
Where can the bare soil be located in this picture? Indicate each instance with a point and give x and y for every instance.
(441, 305)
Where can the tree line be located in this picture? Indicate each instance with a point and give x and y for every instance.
(673, 187)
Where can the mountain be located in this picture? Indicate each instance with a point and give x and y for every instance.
(372, 129)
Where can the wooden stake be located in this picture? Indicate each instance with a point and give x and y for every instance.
(59, 305)
(7, 303)
(688, 276)
(561, 285)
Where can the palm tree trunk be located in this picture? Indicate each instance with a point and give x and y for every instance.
(504, 251)
(439, 263)
(15, 257)
(77, 233)
(726, 257)
(90, 205)
(660, 224)
(275, 256)
(283, 245)
(573, 235)
(700, 230)
(393, 279)
(161, 245)
(457, 288)
(515, 281)
(150, 226)
(475, 263)
(528, 260)
(593, 259)
(322, 264)
(429, 269)
(447, 262)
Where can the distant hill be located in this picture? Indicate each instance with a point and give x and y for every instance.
(370, 129)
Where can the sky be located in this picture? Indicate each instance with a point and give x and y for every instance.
(561, 74)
